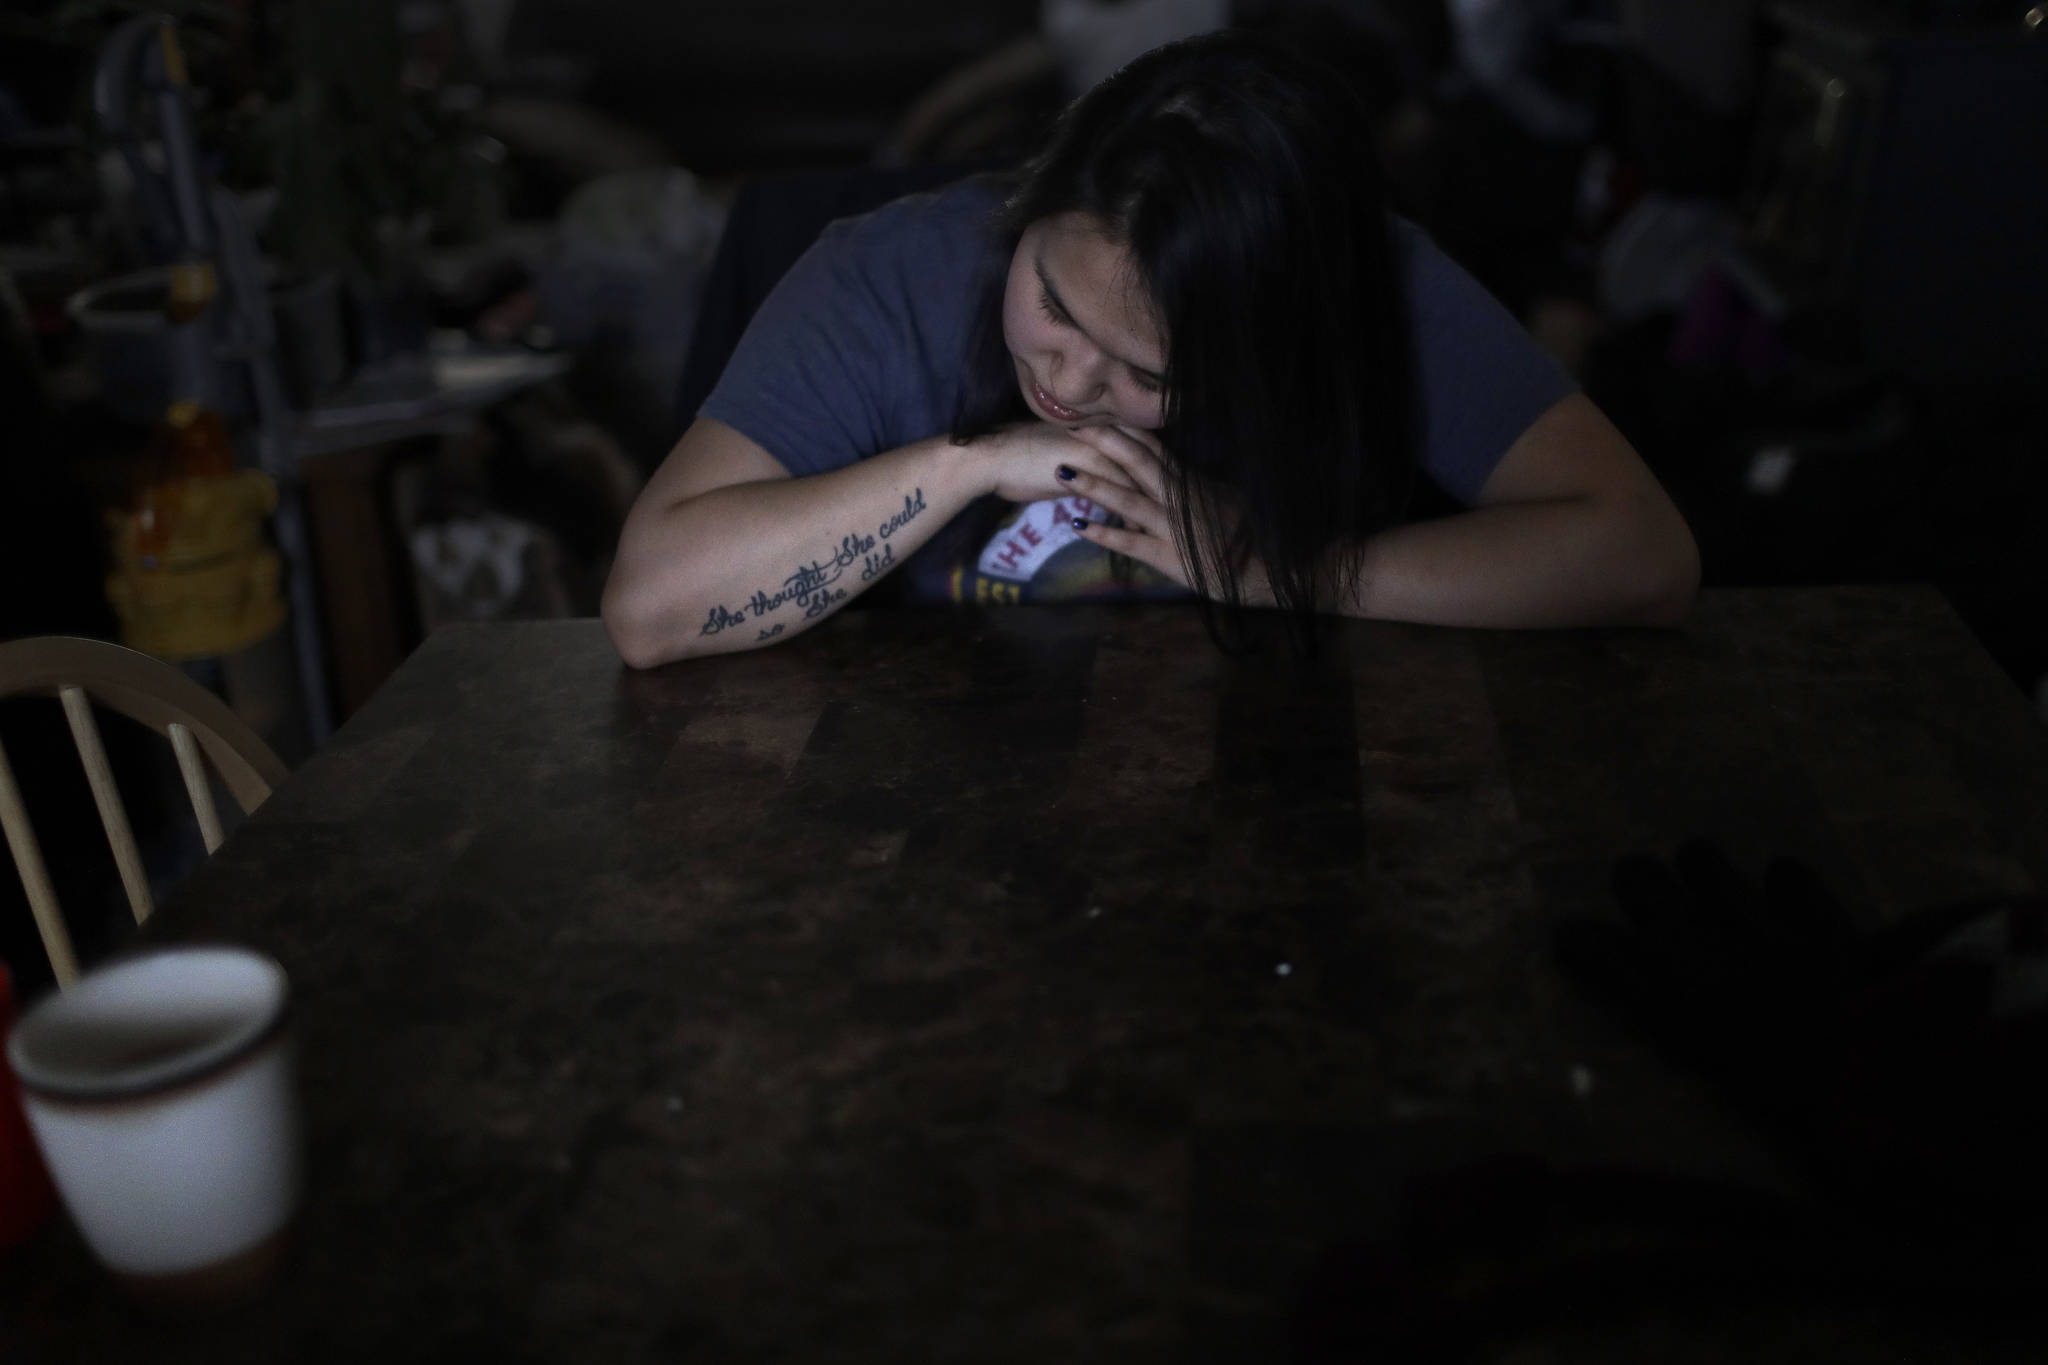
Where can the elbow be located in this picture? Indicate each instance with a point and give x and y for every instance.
(633, 625)
(1670, 577)
(635, 651)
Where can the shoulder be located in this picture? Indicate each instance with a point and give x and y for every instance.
(1429, 274)
(934, 233)
(858, 348)
(902, 281)
(1481, 380)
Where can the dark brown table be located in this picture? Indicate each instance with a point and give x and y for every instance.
(1036, 985)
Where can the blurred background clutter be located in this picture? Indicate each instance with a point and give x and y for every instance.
(324, 324)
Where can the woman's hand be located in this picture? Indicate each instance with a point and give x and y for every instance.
(1025, 460)
(1140, 500)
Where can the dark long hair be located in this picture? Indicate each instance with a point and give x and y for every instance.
(1238, 170)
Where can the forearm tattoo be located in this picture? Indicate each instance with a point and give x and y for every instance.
(812, 586)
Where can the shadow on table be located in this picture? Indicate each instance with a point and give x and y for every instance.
(1417, 1244)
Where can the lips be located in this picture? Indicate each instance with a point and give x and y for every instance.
(1053, 407)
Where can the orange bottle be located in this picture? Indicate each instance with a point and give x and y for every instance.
(190, 442)
(191, 575)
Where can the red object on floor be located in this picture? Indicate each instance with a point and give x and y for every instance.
(25, 1194)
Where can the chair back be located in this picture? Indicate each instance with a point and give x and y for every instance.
(202, 731)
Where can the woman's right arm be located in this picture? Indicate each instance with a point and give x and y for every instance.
(724, 551)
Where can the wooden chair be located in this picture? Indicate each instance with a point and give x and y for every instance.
(201, 730)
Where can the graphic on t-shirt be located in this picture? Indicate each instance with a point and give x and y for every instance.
(1038, 556)
(1040, 531)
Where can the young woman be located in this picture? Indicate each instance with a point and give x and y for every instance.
(1188, 352)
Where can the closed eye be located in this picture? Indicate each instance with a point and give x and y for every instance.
(1049, 305)
(1052, 309)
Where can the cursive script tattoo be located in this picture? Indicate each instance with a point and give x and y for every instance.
(823, 601)
(813, 578)
(913, 504)
(720, 618)
(812, 586)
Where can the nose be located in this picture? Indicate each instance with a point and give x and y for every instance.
(1079, 375)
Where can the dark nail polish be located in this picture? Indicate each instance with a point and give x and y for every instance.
(1080, 523)
(1064, 472)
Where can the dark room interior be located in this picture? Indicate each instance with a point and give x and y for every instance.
(331, 327)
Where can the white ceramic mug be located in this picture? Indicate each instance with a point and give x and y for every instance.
(160, 1091)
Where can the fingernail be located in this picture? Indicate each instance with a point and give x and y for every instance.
(1080, 523)
(1064, 472)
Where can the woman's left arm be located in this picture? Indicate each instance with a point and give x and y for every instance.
(1570, 529)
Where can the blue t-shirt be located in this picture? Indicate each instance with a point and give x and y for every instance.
(860, 349)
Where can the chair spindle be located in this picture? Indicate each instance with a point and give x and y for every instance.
(193, 768)
(35, 878)
(85, 731)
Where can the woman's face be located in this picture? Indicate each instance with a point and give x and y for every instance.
(1080, 328)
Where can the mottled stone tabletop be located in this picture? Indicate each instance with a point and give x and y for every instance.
(1030, 985)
